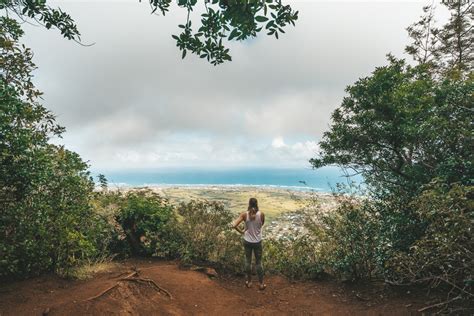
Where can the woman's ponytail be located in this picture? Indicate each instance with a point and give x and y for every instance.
(253, 208)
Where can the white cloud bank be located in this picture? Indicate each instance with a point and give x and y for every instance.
(129, 101)
(201, 151)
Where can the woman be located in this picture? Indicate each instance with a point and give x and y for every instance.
(254, 220)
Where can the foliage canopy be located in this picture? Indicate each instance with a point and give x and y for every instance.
(401, 128)
(408, 130)
(222, 20)
(46, 221)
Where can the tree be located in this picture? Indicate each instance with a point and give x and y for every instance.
(46, 222)
(457, 37)
(25, 124)
(103, 183)
(448, 49)
(405, 125)
(401, 128)
(408, 131)
(222, 20)
(423, 49)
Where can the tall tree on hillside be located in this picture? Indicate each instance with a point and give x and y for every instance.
(401, 128)
(457, 37)
(424, 46)
(448, 49)
(408, 130)
(46, 222)
(403, 125)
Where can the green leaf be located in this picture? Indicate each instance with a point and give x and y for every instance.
(233, 34)
(261, 18)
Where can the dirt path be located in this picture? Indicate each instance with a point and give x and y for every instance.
(193, 293)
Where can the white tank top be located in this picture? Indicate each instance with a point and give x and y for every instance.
(253, 229)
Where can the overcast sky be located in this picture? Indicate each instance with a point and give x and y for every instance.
(129, 101)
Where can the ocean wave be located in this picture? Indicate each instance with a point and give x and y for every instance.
(217, 186)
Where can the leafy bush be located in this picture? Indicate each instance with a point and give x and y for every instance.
(145, 224)
(207, 237)
(444, 255)
(54, 226)
(346, 238)
(297, 258)
(206, 234)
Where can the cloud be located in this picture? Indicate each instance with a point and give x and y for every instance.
(130, 101)
(278, 142)
(202, 151)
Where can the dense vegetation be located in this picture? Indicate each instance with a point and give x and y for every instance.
(196, 232)
(46, 222)
(407, 128)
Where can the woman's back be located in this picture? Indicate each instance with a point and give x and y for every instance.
(254, 220)
(253, 228)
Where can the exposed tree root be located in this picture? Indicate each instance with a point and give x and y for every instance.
(102, 293)
(360, 297)
(133, 277)
(149, 282)
(439, 304)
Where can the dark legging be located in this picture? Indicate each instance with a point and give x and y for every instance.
(256, 247)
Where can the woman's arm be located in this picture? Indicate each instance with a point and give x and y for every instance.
(237, 223)
(262, 216)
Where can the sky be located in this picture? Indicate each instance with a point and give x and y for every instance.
(130, 101)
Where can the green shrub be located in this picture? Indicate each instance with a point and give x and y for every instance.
(144, 223)
(207, 237)
(53, 227)
(297, 258)
(444, 255)
(147, 224)
(345, 238)
(206, 234)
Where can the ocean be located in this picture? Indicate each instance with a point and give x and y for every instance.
(302, 179)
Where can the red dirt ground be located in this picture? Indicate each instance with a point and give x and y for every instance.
(194, 293)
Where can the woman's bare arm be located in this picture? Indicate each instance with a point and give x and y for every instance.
(262, 216)
(237, 223)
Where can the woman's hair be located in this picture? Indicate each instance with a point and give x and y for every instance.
(253, 208)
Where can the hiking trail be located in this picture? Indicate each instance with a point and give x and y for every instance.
(143, 287)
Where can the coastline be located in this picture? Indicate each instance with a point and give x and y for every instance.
(284, 208)
(294, 179)
(304, 190)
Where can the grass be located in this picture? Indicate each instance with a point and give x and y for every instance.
(88, 270)
(273, 202)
